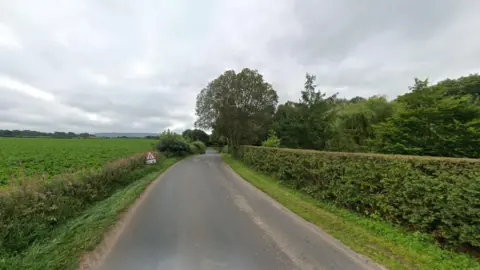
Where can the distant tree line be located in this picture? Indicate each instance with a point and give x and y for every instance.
(435, 120)
(31, 133)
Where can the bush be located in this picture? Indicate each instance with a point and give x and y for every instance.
(172, 144)
(272, 140)
(199, 147)
(436, 195)
(29, 213)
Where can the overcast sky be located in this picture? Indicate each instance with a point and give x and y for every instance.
(137, 65)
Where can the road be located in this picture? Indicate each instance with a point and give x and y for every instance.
(201, 215)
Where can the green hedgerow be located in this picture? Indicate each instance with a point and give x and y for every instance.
(173, 144)
(429, 194)
(31, 210)
(199, 146)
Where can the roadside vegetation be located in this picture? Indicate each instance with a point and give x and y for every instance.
(173, 144)
(430, 120)
(31, 210)
(48, 221)
(424, 194)
(390, 245)
(385, 160)
(63, 246)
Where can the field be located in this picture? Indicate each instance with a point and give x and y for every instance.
(30, 156)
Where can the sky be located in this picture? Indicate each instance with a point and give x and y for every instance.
(137, 65)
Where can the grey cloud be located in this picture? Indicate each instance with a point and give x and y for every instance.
(333, 29)
(136, 66)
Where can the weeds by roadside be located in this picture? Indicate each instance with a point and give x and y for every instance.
(65, 244)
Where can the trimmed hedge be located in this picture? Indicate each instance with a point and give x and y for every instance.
(430, 194)
(30, 211)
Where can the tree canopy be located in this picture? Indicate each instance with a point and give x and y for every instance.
(437, 120)
(434, 120)
(237, 106)
(196, 135)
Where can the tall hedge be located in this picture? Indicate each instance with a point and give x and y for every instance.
(32, 210)
(430, 194)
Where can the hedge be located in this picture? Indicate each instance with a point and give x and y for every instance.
(174, 145)
(199, 147)
(31, 210)
(429, 194)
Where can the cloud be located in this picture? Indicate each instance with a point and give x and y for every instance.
(8, 39)
(136, 66)
(12, 84)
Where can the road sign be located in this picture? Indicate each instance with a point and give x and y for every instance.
(151, 158)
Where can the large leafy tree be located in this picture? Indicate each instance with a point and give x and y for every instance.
(306, 124)
(318, 114)
(354, 120)
(439, 120)
(289, 126)
(237, 106)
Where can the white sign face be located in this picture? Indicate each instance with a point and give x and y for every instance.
(151, 158)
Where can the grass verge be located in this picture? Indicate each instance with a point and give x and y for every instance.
(79, 235)
(391, 246)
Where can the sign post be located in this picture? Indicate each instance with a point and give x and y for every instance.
(151, 158)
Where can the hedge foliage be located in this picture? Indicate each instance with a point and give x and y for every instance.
(173, 144)
(199, 147)
(30, 210)
(430, 194)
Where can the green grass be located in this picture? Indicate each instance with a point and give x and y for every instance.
(389, 245)
(79, 235)
(30, 156)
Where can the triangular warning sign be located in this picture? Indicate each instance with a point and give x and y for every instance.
(150, 156)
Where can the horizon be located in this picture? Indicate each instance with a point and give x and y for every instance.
(137, 66)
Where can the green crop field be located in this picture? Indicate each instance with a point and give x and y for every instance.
(30, 156)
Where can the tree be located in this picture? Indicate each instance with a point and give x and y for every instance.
(272, 140)
(310, 95)
(433, 120)
(288, 125)
(217, 139)
(436, 120)
(353, 123)
(239, 106)
(306, 124)
(173, 144)
(196, 135)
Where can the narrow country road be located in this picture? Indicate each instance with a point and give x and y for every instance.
(201, 215)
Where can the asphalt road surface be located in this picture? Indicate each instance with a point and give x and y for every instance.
(201, 215)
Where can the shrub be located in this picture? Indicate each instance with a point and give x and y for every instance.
(272, 140)
(199, 147)
(193, 149)
(29, 213)
(172, 144)
(436, 195)
(224, 149)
